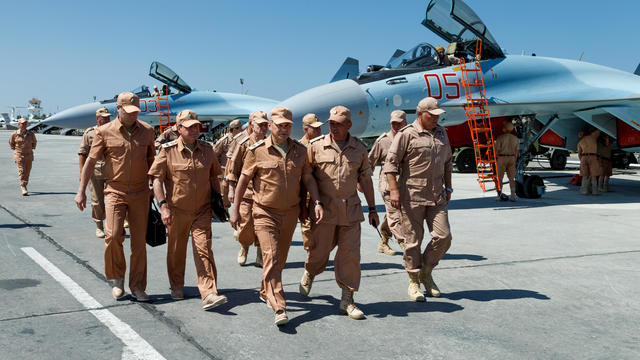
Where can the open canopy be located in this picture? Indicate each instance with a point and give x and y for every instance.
(167, 76)
(454, 21)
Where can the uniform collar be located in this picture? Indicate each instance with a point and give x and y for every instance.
(120, 125)
(268, 142)
(417, 126)
(181, 145)
(328, 141)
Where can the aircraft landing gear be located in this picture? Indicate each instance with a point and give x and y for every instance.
(466, 161)
(531, 187)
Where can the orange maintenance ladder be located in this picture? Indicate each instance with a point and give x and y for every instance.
(479, 120)
(164, 116)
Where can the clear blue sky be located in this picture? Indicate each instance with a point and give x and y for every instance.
(66, 52)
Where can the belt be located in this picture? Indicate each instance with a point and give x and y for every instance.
(506, 155)
(589, 154)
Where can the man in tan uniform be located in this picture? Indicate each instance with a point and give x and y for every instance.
(97, 181)
(391, 223)
(506, 147)
(276, 165)
(420, 155)
(339, 162)
(589, 163)
(220, 150)
(126, 145)
(246, 234)
(606, 166)
(169, 134)
(23, 142)
(312, 129)
(188, 169)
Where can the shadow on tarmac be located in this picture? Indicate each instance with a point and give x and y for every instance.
(469, 257)
(36, 193)
(13, 284)
(22, 226)
(489, 295)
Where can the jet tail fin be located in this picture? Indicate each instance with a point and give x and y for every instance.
(637, 72)
(350, 69)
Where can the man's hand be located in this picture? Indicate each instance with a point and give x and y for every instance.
(166, 214)
(232, 191)
(81, 200)
(359, 188)
(394, 198)
(319, 213)
(374, 220)
(235, 217)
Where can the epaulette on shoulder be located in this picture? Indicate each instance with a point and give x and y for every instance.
(359, 141)
(93, 128)
(256, 144)
(236, 136)
(405, 127)
(315, 139)
(205, 143)
(381, 136)
(170, 144)
(243, 140)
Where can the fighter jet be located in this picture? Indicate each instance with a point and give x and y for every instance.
(210, 106)
(551, 99)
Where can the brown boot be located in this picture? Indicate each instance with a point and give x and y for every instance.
(347, 306)
(594, 188)
(118, 288)
(305, 283)
(427, 281)
(415, 293)
(212, 300)
(23, 188)
(584, 187)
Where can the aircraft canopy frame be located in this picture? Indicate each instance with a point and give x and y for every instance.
(167, 76)
(455, 21)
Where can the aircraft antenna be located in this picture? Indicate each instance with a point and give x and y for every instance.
(479, 120)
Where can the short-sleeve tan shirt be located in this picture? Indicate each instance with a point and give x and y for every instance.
(221, 148)
(22, 144)
(187, 175)
(421, 158)
(507, 145)
(127, 157)
(169, 134)
(338, 173)
(85, 147)
(377, 155)
(236, 162)
(276, 179)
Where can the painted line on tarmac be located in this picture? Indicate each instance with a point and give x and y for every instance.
(135, 346)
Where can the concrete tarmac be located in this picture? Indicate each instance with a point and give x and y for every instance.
(535, 279)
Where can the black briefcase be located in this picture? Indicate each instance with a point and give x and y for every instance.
(218, 212)
(156, 231)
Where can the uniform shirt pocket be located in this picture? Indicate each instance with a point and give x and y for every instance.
(116, 148)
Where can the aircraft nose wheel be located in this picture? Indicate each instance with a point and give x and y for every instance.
(531, 187)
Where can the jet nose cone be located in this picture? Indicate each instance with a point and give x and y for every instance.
(77, 117)
(321, 99)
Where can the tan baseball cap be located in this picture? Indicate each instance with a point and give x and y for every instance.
(281, 115)
(339, 114)
(129, 102)
(235, 124)
(311, 120)
(103, 112)
(431, 105)
(258, 117)
(398, 116)
(22, 120)
(187, 118)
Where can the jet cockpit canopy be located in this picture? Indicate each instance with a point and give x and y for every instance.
(421, 55)
(167, 76)
(454, 21)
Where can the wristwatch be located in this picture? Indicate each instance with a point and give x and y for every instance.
(318, 202)
(162, 202)
(449, 189)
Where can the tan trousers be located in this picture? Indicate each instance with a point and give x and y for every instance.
(199, 226)
(24, 170)
(96, 188)
(224, 186)
(346, 263)
(274, 229)
(246, 228)
(413, 218)
(305, 229)
(392, 219)
(135, 207)
(506, 164)
(589, 166)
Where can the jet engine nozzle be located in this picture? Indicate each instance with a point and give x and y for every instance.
(321, 99)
